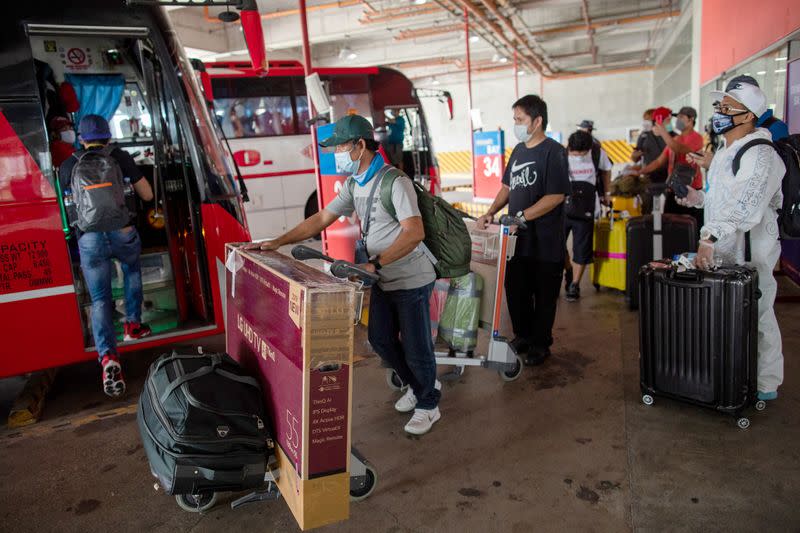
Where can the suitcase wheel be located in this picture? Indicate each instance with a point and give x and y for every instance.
(362, 486)
(647, 399)
(743, 423)
(196, 503)
(513, 373)
(761, 405)
(394, 381)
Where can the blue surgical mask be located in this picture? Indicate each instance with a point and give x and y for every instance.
(521, 133)
(345, 165)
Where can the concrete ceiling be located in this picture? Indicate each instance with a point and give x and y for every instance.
(426, 38)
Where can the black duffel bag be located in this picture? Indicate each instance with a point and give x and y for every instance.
(203, 425)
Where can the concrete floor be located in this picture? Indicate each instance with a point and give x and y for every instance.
(567, 447)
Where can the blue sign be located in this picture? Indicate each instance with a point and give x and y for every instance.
(489, 143)
(327, 161)
(487, 163)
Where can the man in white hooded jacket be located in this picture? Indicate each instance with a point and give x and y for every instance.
(747, 200)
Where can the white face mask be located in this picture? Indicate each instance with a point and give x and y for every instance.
(68, 136)
(647, 125)
(521, 133)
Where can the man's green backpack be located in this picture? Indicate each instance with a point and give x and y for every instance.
(446, 235)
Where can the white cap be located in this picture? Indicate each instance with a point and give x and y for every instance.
(750, 96)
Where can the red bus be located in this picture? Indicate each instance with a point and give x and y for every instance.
(266, 120)
(130, 55)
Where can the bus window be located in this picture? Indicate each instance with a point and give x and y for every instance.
(254, 108)
(301, 105)
(349, 96)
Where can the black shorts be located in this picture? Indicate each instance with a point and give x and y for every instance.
(582, 233)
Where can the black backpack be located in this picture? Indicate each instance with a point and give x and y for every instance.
(98, 190)
(580, 203)
(789, 151)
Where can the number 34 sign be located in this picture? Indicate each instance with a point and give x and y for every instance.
(488, 163)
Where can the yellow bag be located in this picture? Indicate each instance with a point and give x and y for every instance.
(610, 253)
(631, 204)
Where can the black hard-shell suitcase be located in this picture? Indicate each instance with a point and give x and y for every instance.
(679, 235)
(698, 336)
(203, 425)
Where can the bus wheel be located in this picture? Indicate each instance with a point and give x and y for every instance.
(312, 208)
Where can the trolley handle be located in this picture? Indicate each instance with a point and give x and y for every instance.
(510, 220)
(339, 268)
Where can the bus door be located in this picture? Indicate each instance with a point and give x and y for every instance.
(175, 180)
(119, 73)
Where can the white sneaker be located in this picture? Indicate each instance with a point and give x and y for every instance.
(422, 421)
(408, 401)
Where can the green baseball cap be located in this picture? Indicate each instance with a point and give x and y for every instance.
(348, 128)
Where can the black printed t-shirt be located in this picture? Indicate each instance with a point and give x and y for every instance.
(530, 174)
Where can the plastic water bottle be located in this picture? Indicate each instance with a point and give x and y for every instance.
(69, 206)
(128, 186)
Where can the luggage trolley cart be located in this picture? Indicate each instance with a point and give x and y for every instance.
(500, 355)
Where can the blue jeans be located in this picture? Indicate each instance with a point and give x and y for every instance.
(400, 332)
(97, 249)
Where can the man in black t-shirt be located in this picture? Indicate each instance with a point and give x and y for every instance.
(535, 183)
(118, 240)
(648, 147)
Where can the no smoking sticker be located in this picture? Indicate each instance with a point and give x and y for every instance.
(76, 56)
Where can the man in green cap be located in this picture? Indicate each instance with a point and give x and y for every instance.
(399, 313)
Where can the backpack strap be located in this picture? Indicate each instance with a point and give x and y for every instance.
(368, 215)
(387, 182)
(737, 159)
(596, 148)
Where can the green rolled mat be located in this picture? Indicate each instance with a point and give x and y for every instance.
(458, 325)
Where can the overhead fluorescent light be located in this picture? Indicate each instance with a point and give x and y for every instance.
(474, 38)
(520, 73)
(420, 2)
(781, 58)
(434, 81)
(761, 72)
(780, 70)
(504, 60)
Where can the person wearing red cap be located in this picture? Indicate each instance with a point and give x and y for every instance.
(675, 153)
(649, 146)
(62, 145)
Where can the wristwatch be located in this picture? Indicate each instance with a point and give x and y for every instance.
(706, 235)
(375, 261)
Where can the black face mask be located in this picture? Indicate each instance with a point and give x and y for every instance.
(722, 123)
